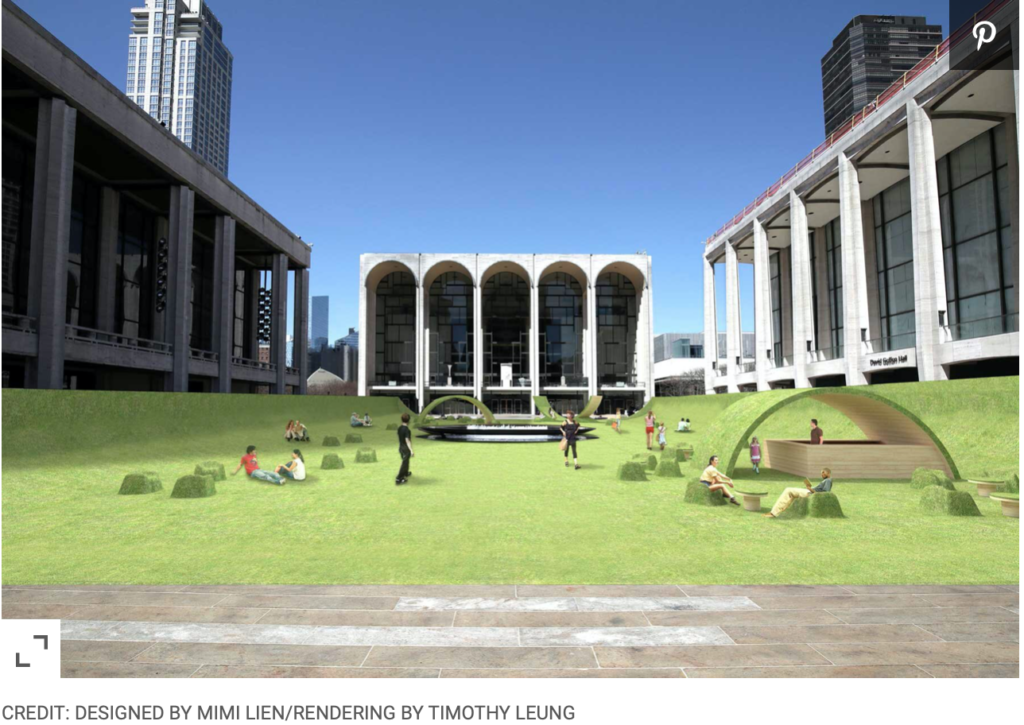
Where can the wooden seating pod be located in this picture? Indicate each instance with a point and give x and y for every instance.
(985, 488)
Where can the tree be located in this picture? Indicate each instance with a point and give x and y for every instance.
(689, 383)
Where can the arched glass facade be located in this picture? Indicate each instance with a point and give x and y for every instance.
(561, 330)
(506, 329)
(395, 338)
(451, 330)
(616, 329)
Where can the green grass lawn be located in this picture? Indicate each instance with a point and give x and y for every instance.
(473, 513)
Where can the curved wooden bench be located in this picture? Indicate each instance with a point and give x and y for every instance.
(985, 488)
(751, 501)
(1009, 502)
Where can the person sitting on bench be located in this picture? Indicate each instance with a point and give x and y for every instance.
(792, 494)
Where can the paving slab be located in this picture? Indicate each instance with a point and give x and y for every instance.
(920, 653)
(665, 672)
(740, 655)
(483, 657)
(752, 617)
(927, 589)
(550, 619)
(84, 651)
(622, 636)
(252, 654)
(185, 632)
(123, 670)
(287, 601)
(418, 636)
(765, 590)
(627, 590)
(806, 671)
(861, 601)
(363, 590)
(486, 604)
(975, 631)
(112, 613)
(924, 615)
(36, 610)
(972, 670)
(356, 618)
(99, 587)
(829, 633)
(1006, 599)
(270, 671)
(119, 597)
(656, 604)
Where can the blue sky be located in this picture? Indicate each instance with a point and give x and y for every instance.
(495, 126)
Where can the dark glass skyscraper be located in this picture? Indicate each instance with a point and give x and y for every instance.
(871, 53)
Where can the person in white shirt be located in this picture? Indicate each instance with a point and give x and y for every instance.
(295, 469)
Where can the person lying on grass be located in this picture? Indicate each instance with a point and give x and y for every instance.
(253, 470)
(715, 480)
(792, 494)
(295, 469)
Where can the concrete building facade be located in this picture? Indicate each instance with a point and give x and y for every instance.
(504, 328)
(129, 262)
(891, 252)
(679, 355)
(179, 71)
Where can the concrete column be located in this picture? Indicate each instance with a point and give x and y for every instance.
(478, 341)
(300, 333)
(734, 335)
(106, 259)
(422, 341)
(645, 331)
(803, 314)
(710, 327)
(929, 274)
(786, 287)
(51, 231)
(224, 299)
(824, 331)
(279, 320)
(855, 301)
(763, 332)
(179, 284)
(590, 350)
(534, 339)
(252, 313)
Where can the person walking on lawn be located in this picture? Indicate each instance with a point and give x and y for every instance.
(790, 495)
(755, 454)
(404, 450)
(253, 470)
(570, 428)
(649, 424)
(715, 480)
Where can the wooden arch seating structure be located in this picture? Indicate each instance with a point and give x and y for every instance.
(544, 405)
(897, 441)
(484, 410)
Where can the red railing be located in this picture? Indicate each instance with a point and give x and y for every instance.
(954, 39)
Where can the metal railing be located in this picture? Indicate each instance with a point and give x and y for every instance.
(254, 364)
(781, 361)
(964, 32)
(196, 354)
(289, 370)
(22, 323)
(748, 367)
(627, 380)
(827, 353)
(113, 339)
(721, 370)
(901, 341)
(459, 380)
(564, 381)
(493, 380)
(985, 327)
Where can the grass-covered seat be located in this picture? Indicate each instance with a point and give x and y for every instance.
(698, 493)
(668, 468)
(924, 477)
(139, 483)
(366, 455)
(194, 487)
(939, 500)
(816, 506)
(213, 469)
(631, 471)
(354, 438)
(331, 442)
(1009, 502)
(331, 462)
(391, 426)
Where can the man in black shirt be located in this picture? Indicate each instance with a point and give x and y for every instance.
(404, 450)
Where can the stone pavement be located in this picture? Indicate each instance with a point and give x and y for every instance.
(528, 631)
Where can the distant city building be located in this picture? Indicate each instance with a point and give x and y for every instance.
(869, 54)
(680, 356)
(320, 320)
(179, 71)
(351, 339)
(340, 360)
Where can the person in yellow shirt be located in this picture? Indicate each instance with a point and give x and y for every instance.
(715, 480)
(790, 495)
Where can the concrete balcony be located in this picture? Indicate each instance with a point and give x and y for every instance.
(19, 335)
(84, 344)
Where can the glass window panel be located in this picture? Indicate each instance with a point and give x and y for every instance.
(975, 269)
(943, 173)
(974, 210)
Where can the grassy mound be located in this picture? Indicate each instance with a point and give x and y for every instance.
(138, 483)
(631, 471)
(331, 442)
(668, 468)
(366, 455)
(1011, 485)
(698, 493)
(354, 438)
(194, 487)
(651, 463)
(212, 469)
(924, 477)
(824, 506)
(392, 426)
(938, 500)
(331, 462)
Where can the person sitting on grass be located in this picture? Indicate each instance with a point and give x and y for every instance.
(294, 469)
(354, 421)
(792, 494)
(681, 428)
(299, 432)
(289, 430)
(253, 470)
(715, 480)
(367, 420)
